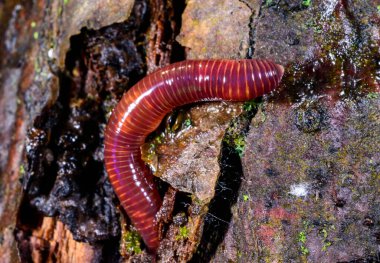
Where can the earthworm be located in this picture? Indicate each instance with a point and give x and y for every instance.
(142, 108)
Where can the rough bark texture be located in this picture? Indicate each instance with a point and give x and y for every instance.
(293, 179)
(205, 33)
(310, 191)
(189, 162)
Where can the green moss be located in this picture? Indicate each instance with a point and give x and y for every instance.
(132, 242)
(159, 139)
(187, 123)
(378, 8)
(304, 250)
(306, 3)
(37, 67)
(236, 132)
(269, 3)
(183, 233)
(22, 170)
(324, 233)
(325, 242)
(302, 238)
(239, 144)
(373, 95)
(245, 197)
(235, 138)
(252, 105)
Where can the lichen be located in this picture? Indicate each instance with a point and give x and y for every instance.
(252, 105)
(131, 242)
(235, 134)
(183, 233)
(306, 3)
(22, 170)
(35, 35)
(187, 123)
(373, 95)
(324, 232)
(302, 238)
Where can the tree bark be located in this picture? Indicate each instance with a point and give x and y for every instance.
(292, 177)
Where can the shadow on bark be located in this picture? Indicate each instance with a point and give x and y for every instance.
(219, 215)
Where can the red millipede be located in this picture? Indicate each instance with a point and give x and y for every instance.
(142, 108)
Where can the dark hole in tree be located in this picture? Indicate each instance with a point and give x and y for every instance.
(219, 215)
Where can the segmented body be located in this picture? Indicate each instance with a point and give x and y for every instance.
(143, 107)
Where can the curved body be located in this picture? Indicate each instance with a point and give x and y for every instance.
(142, 108)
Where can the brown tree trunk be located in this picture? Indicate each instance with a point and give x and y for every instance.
(292, 177)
